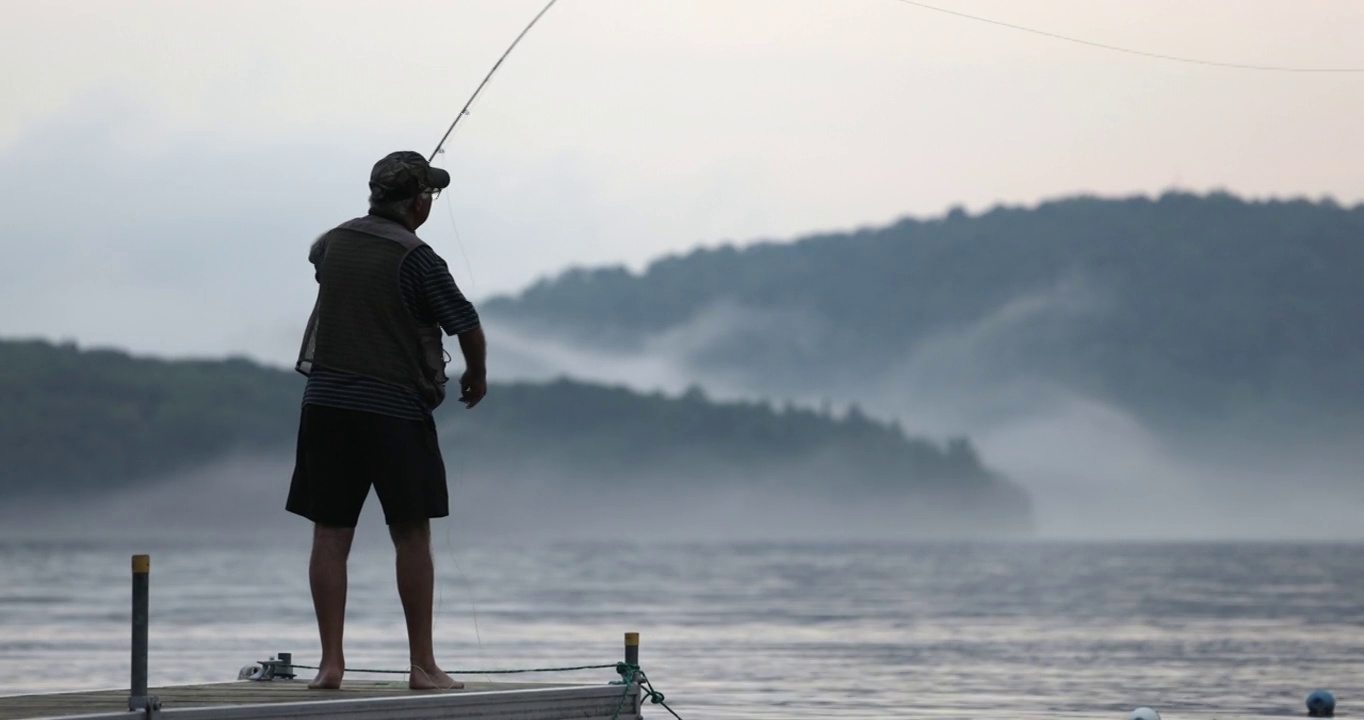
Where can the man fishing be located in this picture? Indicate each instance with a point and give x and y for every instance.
(375, 361)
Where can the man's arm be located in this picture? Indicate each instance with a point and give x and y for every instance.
(436, 298)
(475, 349)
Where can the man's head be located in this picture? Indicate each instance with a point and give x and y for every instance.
(402, 185)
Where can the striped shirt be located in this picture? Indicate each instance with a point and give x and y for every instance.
(430, 294)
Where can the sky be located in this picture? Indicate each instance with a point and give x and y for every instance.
(164, 165)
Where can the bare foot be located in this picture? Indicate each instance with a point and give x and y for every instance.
(432, 678)
(328, 678)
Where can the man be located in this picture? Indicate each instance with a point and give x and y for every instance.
(375, 362)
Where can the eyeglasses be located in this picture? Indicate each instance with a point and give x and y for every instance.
(432, 193)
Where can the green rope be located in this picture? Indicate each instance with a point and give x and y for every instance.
(646, 689)
(469, 672)
(627, 671)
(656, 698)
(626, 679)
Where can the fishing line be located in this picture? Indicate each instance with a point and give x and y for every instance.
(913, 3)
(473, 606)
(450, 553)
(440, 146)
(459, 242)
(1130, 51)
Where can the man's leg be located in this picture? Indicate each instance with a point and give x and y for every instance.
(327, 576)
(416, 583)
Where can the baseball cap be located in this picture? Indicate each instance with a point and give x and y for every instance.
(404, 174)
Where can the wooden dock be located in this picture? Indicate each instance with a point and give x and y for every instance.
(270, 691)
(356, 700)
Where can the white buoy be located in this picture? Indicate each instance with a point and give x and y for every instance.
(1144, 713)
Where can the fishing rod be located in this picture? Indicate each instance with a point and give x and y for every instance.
(465, 110)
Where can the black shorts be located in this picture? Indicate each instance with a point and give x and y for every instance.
(341, 453)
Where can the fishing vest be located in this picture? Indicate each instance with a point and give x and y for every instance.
(360, 323)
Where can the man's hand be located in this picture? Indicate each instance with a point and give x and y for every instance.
(473, 385)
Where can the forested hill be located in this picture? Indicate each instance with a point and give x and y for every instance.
(1176, 307)
(73, 421)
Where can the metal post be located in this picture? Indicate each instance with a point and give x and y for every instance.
(632, 659)
(632, 649)
(138, 700)
(142, 565)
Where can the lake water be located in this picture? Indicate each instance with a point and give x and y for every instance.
(748, 630)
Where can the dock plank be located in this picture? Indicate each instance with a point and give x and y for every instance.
(356, 699)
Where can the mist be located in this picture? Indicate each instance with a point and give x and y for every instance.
(166, 208)
(239, 500)
(218, 267)
(1093, 469)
